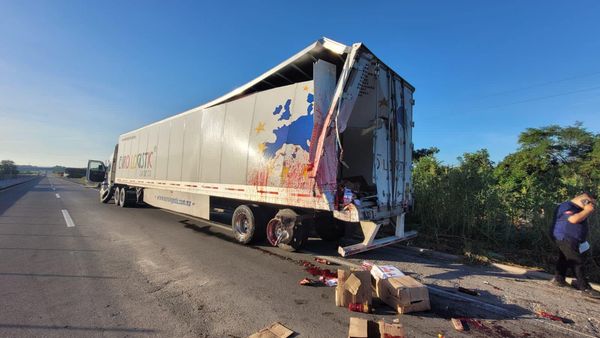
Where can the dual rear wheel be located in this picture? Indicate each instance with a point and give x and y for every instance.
(124, 197)
(284, 229)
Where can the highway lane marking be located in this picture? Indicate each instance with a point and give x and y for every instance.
(57, 196)
(68, 218)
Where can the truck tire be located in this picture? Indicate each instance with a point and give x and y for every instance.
(330, 229)
(287, 224)
(106, 193)
(243, 224)
(117, 196)
(126, 198)
(122, 199)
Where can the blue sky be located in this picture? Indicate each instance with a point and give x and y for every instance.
(76, 74)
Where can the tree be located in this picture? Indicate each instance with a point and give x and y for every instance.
(8, 168)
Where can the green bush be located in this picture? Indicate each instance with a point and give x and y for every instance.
(506, 210)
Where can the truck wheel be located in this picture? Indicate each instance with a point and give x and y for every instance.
(243, 224)
(126, 197)
(286, 231)
(106, 193)
(117, 196)
(330, 229)
(122, 198)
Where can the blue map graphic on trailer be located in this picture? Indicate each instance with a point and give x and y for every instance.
(297, 132)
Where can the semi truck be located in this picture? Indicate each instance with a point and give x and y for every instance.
(321, 141)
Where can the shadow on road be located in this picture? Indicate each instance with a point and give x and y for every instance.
(10, 196)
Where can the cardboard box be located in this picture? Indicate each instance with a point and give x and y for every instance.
(363, 328)
(353, 287)
(405, 294)
(385, 271)
(275, 330)
(358, 328)
(390, 330)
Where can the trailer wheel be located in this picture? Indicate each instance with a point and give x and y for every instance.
(117, 196)
(286, 231)
(126, 197)
(243, 224)
(106, 193)
(122, 200)
(330, 229)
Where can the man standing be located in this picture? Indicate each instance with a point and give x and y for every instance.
(570, 233)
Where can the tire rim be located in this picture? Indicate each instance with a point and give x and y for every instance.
(240, 224)
(277, 232)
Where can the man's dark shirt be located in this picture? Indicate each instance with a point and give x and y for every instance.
(563, 229)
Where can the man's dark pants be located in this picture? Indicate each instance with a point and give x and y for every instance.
(570, 257)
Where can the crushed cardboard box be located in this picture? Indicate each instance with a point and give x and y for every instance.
(275, 330)
(405, 294)
(363, 328)
(353, 287)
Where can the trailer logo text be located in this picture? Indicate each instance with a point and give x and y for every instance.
(137, 161)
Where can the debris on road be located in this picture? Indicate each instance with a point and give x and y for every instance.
(329, 281)
(359, 307)
(353, 287)
(387, 330)
(457, 323)
(544, 314)
(322, 261)
(317, 271)
(310, 282)
(494, 286)
(367, 266)
(385, 271)
(275, 330)
(468, 291)
(404, 294)
(364, 328)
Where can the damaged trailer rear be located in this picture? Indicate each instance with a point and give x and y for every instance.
(324, 139)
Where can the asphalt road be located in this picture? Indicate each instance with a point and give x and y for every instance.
(147, 272)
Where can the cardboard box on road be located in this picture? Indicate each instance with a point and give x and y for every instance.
(385, 271)
(275, 330)
(405, 294)
(363, 328)
(353, 287)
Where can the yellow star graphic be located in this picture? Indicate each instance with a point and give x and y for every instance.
(260, 127)
(305, 88)
(262, 147)
(383, 103)
(284, 171)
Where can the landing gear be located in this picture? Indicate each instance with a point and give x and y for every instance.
(286, 230)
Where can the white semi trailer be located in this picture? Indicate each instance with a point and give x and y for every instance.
(324, 139)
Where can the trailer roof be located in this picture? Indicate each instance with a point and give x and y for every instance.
(297, 68)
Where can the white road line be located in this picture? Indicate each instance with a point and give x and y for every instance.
(57, 196)
(68, 218)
